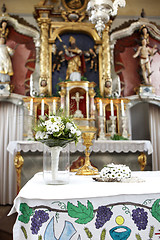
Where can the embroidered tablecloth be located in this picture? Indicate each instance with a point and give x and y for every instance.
(86, 209)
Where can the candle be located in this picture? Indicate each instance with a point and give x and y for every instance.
(100, 108)
(54, 106)
(112, 108)
(31, 107)
(122, 108)
(42, 107)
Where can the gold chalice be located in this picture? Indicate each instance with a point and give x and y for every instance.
(87, 169)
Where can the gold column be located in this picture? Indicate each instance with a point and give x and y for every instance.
(45, 85)
(106, 64)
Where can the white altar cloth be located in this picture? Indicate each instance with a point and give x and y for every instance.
(98, 146)
(72, 210)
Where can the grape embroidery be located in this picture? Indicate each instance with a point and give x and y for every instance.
(38, 218)
(140, 218)
(104, 214)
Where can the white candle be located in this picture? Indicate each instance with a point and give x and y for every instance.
(122, 108)
(42, 107)
(31, 107)
(100, 108)
(112, 108)
(54, 106)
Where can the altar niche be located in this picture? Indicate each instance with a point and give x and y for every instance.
(77, 105)
(86, 49)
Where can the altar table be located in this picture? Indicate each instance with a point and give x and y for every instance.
(87, 209)
(142, 146)
(98, 146)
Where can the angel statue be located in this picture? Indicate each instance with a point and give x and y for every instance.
(58, 58)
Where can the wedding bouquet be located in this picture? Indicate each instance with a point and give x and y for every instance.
(57, 131)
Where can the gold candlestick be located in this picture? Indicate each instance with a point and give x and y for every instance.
(87, 169)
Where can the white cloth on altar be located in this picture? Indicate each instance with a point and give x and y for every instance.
(85, 187)
(98, 146)
(59, 201)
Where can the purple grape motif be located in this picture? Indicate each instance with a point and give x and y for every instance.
(104, 214)
(38, 218)
(140, 218)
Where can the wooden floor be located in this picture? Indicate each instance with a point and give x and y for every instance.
(6, 223)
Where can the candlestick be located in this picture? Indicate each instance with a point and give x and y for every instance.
(112, 108)
(113, 125)
(122, 108)
(42, 107)
(100, 108)
(54, 106)
(31, 107)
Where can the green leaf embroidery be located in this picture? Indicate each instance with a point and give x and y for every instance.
(103, 234)
(26, 213)
(138, 237)
(89, 234)
(82, 213)
(156, 210)
(151, 232)
(24, 232)
(39, 237)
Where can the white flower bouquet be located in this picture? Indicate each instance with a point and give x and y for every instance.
(57, 131)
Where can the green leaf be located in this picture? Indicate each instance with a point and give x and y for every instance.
(151, 232)
(81, 212)
(156, 210)
(24, 232)
(89, 234)
(103, 234)
(138, 237)
(26, 213)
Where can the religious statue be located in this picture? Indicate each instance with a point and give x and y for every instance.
(144, 52)
(93, 58)
(4, 29)
(78, 113)
(5, 61)
(144, 33)
(58, 58)
(76, 62)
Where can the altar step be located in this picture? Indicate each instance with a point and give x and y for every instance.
(6, 223)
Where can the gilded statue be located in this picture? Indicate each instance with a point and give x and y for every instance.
(75, 58)
(144, 33)
(58, 58)
(4, 29)
(93, 58)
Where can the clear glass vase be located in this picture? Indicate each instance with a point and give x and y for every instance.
(56, 164)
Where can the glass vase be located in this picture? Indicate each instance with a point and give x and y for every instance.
(56, 164)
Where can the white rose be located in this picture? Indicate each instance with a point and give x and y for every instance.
(39, 135)
(68, 125)
(78, 133)
(73, 130)
(56, 128)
